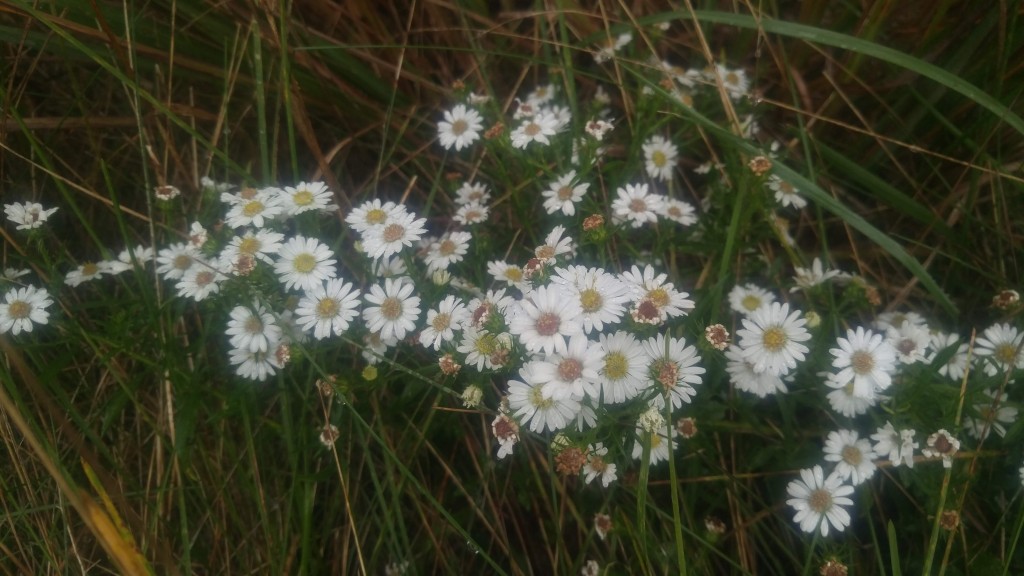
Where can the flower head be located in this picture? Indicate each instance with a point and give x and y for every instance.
(23, 307)
(27, 215)
(819, 501)
(460, 128)
(771, 339)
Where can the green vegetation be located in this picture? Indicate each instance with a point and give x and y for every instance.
(170, 402)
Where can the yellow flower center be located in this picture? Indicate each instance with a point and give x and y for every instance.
(862, 362)
(441, 322)
(851, 455)
(590, 300)
(253, 208)
(376, 216)
(774, 339)
(249, 245)
(616, 366)
(391, 308)
(658, 158)
(19, 309)
(327, 308)
(304, 263)
(750, 302)
(302, 198)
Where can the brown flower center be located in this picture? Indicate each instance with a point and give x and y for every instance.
(548, 324)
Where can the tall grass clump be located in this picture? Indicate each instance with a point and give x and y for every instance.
(515, 289)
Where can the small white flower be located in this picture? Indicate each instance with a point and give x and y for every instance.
(401, 231)
(570, 372)
(27, 215)
(85, 272)
(450, 315)
(853, 456)
(819, 501)
(992, 415)
(472, 213)
(447, 250)
(471, 192)
(253, 328)
(785, 193)
(807, 278)
(328, 308)
(201, 280)
(843, 399)
(372, 214)
(23, 307)
(304, 263)
(598, 467)
(942, 444)
(254, 365)
(257, 210)
(655, 300)
(679, 212)
(746, 379)
(1000, 344)
(394, 309)
(624, 367)
(897, 446)
(506, 431)
(661, 447)
(771, 339)
(563, 194)
(865, 359)
(637, 205)
(910, 342)
(460, 128)
(306, 197)
(547, 316)
(173, 261)
(749, 298)
(673, 370)
(601, 295)
(957, 365)
(660, 156)
(509, 273)
(527, 403)
(262, 245)
(535, 129)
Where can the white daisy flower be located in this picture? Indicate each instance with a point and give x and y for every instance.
(746, 379)
(472, 213)
(527, 403)
(472, 192)
(27, 215)
(506, 432)
(401, 231)
(563, 194)
(535, 129)
(607, 51)
(598, 128)
(460, 128)
(661, 447)
(547, 316)
(672, 370)
(1000, 344)
(173, 261)
(450, 315)
(554, 245)
(598, 467)
(942, 444)
(304, 263)
(483, 349)
(201, 280)
(957, 364)
(655, 300)
(266, 204)
(375, 347)
(637, 205)
(853, 456)
(389, 267)
(993, 413)
(807, 278)
(911, 342)
(260, 244)
(85, 272)
(865, 359)
(660, 156)
(820, 501)
(785, 193)
(601, 295)
(894, 319)
(447, 250)
(843, 399)
(23, 307)
(394, 309)
(484, 306)
(328, 308)
(679, 212)
(624, 367)
(305, 197)
(897, 446)
(570, 372)
(509, 273)
(371, 214)
(542, 94)
(771, 339)
(749, 298)
(12, 274)
(253, 328)
(254, 365)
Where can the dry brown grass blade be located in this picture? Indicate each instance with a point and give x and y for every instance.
(121, 551)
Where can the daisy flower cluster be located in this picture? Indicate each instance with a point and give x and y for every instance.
(539, 300)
